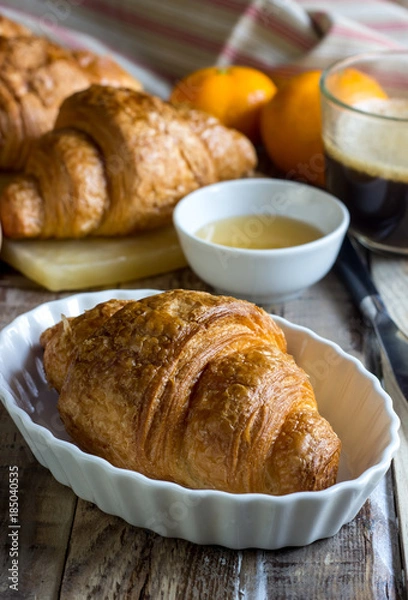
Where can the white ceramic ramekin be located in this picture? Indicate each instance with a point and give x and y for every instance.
(263, 276)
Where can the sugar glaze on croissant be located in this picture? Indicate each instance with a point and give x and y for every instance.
(117, 162)
(192, 388)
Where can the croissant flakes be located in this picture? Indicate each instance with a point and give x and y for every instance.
(36, 75)
(117, 162)
(192, 388)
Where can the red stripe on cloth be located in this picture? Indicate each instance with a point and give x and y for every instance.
(391, 26)
(234, 5)
(337, 5)
(349, 33)
(155, 27)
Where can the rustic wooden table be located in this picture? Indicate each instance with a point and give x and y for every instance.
(68, 548)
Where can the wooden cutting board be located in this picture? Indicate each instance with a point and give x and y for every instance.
(81, 264)
(88, 263)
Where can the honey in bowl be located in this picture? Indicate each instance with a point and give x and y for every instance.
(259, 232)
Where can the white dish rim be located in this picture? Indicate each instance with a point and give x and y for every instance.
(355, 483)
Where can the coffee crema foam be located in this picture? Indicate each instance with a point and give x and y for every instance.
(377, 147)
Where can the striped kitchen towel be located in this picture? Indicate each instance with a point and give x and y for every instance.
(174, 37)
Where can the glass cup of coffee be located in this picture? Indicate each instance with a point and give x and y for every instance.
(365, 137)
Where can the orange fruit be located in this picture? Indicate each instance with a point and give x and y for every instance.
(291, 129)
(352, 86)
(233, 94)
(291, 124)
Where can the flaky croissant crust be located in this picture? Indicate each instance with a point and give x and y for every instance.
(117, 162)
(36, 75)
(191, 388)
(9, 28)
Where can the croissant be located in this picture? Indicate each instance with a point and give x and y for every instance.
(117, 162)
(35, 77)
(61, 341)
(192, 388)
(9, 28)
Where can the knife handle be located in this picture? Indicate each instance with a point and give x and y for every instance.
(357, 278)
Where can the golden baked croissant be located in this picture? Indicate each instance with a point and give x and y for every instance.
(117, 162)
(192, 388)
(61, 341)
(35, 77)
(103, 70)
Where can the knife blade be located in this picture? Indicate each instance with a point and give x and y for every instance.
(368, 300)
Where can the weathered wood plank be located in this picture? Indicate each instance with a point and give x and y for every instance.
(391, 278)
(345, 326)
(41, 526)
(111, 559)
(400, 465)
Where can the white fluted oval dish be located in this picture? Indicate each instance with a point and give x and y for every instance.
(348, 396)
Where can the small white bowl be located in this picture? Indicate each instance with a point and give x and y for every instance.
(262, 276)
(348, 396)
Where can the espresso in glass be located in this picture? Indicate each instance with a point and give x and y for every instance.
(366, 152)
